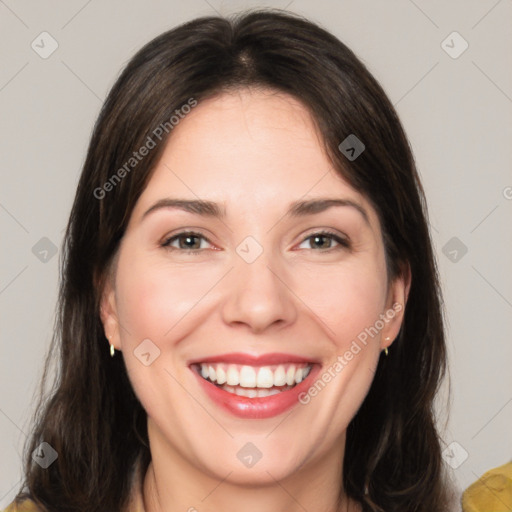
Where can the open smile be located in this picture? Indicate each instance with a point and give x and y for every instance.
(251, 391)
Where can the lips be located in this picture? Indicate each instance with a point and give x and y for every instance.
(255, 386)
(254, 359)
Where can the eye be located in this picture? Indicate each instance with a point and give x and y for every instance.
(187, 241)
(322, 237)
(190, 241)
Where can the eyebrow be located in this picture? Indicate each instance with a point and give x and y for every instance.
(296, 209)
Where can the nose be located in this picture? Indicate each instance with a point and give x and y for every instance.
(259, 296)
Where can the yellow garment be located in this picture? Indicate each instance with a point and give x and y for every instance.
(25, 506)
(492, 492)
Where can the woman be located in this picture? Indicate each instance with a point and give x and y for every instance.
(250, 313)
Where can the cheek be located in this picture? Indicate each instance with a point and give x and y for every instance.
(347, 300)
(153, 302)
(154, 297)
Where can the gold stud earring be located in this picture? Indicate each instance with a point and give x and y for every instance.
(386, 349)
(112, 349)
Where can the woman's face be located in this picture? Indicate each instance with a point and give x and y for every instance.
(256, 292)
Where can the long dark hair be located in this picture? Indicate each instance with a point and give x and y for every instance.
(91, 415)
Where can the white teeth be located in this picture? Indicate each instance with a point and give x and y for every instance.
(247, 377)
(264, 377)
(232, 376)
(305, 372)
(252, 393)
(280, 376)
(299, 376)
(221, 375)
(290, 376)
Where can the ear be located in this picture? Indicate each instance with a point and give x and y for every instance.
(393, 314)
(108, 314)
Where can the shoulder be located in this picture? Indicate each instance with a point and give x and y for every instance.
(25, 506)
(492, 491)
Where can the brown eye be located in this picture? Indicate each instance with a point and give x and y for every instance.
(187, 241)
(324, 241)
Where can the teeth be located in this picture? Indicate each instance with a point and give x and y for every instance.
(264, 377)
(251, 393)
(280, 376)
(290, 376)
(254, 392)
(299, 376)
(232, 376)
(248, 377)
(221, 375)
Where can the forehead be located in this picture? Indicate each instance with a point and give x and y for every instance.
(252, 149)
(259, 126)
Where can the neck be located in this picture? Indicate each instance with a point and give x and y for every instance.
(173, 484)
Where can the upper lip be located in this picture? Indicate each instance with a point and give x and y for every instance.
(254, 359)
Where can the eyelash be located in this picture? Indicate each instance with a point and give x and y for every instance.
(343, 242)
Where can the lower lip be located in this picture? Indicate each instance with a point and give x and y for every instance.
(257, 408)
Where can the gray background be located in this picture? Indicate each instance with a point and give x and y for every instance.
(456, 112)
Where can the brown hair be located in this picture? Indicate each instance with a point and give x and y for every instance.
(91, 416)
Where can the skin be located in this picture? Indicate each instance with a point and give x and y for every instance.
(254, 152)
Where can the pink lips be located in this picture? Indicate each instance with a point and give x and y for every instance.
(262, 407)
(254, 359)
